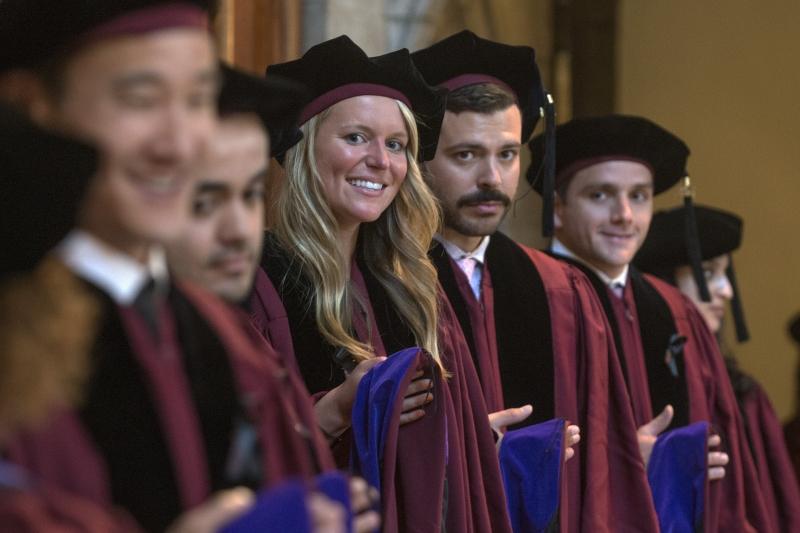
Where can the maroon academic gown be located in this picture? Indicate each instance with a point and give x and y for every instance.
(539, 336)
(44, 509)
(445, 461)
(648, 321)
(155, 435)
(777, 479)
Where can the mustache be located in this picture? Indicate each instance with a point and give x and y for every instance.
(228, 252)
(484, 195)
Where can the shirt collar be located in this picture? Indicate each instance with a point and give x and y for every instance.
(558, 248)
(457, 253)
(116, 273)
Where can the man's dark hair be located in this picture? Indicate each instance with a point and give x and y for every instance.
(480, 98)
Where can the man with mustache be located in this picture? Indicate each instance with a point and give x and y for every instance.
(608, 169)
(534, 325)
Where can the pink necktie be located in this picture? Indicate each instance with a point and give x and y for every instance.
(467, 265)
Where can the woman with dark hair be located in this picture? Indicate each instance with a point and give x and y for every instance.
(665, 255)
(347, 253)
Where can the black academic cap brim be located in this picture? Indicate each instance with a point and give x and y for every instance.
(583, 142)
(32, 32)
(277, 102)
(719, 233)
(44, 179)
(464, 54)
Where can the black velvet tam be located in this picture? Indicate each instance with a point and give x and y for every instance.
(34, 31)
(665, 248)
(465, 59)
(338, 69)
(583, 142)
(44, 177)
(276, 101)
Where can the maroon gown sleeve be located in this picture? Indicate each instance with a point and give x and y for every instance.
(54, 511)
(476, 499)
(735, 502)
(607, 487)
(776, 476)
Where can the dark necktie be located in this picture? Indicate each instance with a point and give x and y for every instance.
(146, 304)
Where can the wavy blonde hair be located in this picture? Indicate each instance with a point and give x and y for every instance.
(395, 246)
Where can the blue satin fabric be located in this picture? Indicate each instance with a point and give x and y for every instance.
(677, 473)
(531, 462)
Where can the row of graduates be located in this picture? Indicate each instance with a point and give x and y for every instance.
(310, 358)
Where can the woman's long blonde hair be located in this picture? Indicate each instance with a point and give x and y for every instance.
(395, 247)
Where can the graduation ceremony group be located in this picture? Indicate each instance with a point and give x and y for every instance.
(283, 302)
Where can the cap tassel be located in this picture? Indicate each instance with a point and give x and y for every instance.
(548, 185)
(693, 241)
(742, 333)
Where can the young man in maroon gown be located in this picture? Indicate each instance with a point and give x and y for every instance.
(180, 402)
(607, 171)
(535, 328)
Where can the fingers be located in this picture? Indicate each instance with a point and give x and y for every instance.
(717, 459)
(659, 423)
(573, 436)
(362, 499)
(367, 522)
(361, 495)
(714, 441)
(218, 511)
(508, 417)
(569, 453)
(327, 516)
(716, 473)
(417, 396)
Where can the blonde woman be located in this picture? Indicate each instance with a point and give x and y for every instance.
(347, 254)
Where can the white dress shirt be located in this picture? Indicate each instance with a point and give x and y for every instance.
(458, 255)
(117, 274)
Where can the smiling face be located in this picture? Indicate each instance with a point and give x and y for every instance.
(606, 213)
(360, 149)
(148, 102)
(719, 287)
(221, 247)
(476, 171)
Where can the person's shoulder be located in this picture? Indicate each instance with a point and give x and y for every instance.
(554, 273)
(680, 305)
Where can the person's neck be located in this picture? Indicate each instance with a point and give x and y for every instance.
(467, 243)
(348, 237)
(120, 241)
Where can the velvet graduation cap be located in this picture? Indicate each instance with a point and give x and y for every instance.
(34, 31)
(44, 177)
(338, 69)
(464, 59)
(276, 102)
(719, 233)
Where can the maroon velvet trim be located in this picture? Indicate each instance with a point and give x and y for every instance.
(579, 165)
(350, 90)
(160, 17)
(465, 80)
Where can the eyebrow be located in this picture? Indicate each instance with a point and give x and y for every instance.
(371, 131)
(211, 187)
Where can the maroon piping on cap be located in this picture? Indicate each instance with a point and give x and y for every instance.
(579, 165)
(465, 80)
(172, 15)
(350, 90)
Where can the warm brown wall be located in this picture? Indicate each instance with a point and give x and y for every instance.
(726, 78)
